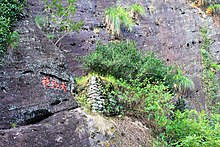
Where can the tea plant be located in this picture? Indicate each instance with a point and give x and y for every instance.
(152, 100)
(144, 87)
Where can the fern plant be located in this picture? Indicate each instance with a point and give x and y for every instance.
(182, 83)
(116, 17)
(136, 10)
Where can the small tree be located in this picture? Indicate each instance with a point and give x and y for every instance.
(59, 18)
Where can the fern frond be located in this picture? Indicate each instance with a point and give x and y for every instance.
(136, 8)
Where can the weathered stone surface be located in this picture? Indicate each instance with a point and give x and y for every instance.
(25, 97)
(94, 93)
(66, 129)
(170, 28)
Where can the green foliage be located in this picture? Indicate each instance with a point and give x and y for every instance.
(9, 13)
(50, 36)
(14, 39)
(209, 78)
(136, 9)
(4, 32)
(151, 99)
(193, 129)
(41, 21)
(117, 59)
(82, 100)
(158, 103)
(109, 83)
(123, 60)
(118, 16)
(59, 18)
(182, 83)
(144, 86)
(13, 125)
(112, 104)
(11, 9)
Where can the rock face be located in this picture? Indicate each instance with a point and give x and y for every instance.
(170, 28)
(37, 80)
(37, 106)
(34, 84)
(66, 129)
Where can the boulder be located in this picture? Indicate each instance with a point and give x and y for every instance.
(66, 129)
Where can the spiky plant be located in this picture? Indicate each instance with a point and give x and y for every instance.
(136, 10)
(182, 83)
(115, 17)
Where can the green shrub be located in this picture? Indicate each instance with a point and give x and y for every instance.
(152, 100)
(117, 59)
(4, 33)
(123, 60)
(11, 9)
(209, 78)
(193, 129)
(139, 99)
(9, 13)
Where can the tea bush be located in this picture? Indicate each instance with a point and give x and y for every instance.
(123, 60)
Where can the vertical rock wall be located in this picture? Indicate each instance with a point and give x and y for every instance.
(171, 28)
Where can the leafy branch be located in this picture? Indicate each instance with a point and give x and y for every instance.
(59, 19)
